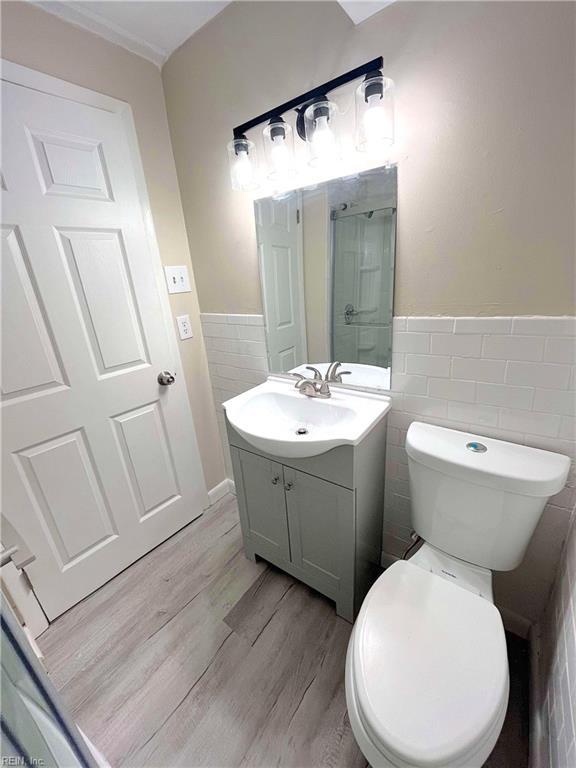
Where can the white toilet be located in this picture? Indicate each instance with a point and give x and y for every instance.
(426, 670)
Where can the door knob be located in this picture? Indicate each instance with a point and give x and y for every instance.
(349, 313)
(165, 378)
(275, 479)
(288, 486)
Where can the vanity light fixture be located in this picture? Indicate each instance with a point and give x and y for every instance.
(316, 126)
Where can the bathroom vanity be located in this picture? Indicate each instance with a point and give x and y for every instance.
(317, 517)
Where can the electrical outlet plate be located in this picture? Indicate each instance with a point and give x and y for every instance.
(184, 326)
(177, 279)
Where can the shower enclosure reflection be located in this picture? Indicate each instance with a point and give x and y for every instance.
(327, 275)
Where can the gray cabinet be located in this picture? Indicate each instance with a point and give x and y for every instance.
(260, 484)
(320, 518)
(321, 528)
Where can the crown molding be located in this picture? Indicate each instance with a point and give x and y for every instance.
(98, 25)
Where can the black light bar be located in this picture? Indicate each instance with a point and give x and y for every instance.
(310, 96)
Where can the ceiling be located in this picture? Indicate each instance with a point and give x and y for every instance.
(154, 33)
(359, 11)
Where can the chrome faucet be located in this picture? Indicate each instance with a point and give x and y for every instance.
(316, 387)
(335, 376)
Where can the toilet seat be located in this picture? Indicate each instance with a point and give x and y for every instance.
(427, 672)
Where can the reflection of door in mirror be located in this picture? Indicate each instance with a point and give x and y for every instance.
(279, 236)
(362, 283)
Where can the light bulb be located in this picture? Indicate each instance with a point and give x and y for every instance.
(323, 139)
(375, 113)
(375, 120)
(279, 155)
(243, 171)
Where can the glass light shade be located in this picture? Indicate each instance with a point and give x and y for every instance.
(279, 150)
(375, 114)
(322, 141)
(243, 164)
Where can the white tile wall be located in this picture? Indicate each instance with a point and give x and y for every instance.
(237, 361)
(503, 377)
(556, 709)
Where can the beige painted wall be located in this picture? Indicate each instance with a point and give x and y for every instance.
(485, 126)
(38, 40)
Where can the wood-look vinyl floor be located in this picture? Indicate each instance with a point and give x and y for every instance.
(197, 657)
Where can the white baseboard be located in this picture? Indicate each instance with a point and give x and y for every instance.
(220, 490)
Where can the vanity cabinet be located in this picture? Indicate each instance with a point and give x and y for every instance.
(260, 488)
(317, 518)
(321, 529)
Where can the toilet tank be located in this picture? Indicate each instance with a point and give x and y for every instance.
(478, 498)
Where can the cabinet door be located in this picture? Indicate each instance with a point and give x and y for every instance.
(262, 505)
(321, 522)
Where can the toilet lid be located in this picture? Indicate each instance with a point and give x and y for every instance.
(429, 665)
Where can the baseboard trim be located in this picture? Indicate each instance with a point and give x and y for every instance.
(514, 623)
(220, 490)
(538, 748)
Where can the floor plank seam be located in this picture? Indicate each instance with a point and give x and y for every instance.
(276, 608)
(310, 684)
(229, 529)
(234, 556)
(174, 615)
(183, 699)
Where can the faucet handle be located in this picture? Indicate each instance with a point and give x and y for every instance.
(315, 371)
(331, 371)
(299, 379)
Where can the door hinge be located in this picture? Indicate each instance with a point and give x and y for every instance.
(297, 215)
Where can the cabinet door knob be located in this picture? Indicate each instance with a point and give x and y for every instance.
(288, 486)
(275, 479)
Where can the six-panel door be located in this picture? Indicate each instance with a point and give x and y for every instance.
(100, 463)
(262, 505)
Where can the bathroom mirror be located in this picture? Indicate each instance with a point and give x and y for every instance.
(326, 256)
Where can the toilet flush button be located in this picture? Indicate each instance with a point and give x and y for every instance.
(476, 447)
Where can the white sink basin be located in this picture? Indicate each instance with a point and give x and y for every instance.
(277, 419)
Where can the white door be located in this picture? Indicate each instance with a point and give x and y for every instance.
(100, 462)
(279, 237)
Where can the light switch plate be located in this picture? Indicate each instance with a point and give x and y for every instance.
(177, 279)
(184, 326)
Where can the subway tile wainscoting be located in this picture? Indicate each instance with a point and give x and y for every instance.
(237, 361)
(506, 377)
(554, 700)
